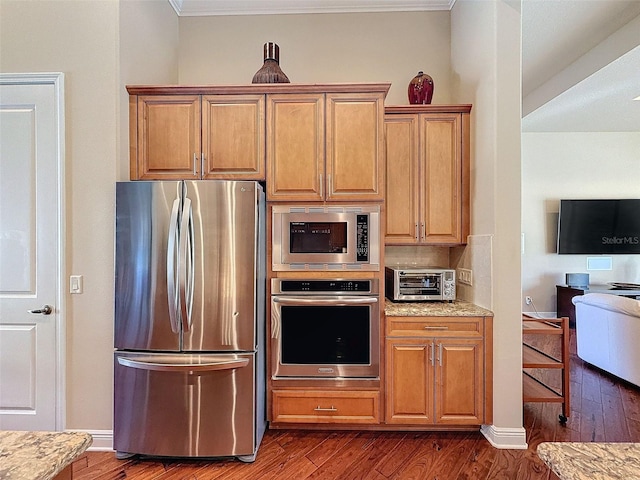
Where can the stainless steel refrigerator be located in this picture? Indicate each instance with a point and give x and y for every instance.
(189, 369)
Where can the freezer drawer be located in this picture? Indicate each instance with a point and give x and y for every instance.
(184, 405)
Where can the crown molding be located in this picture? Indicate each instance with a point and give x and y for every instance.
(194, 8)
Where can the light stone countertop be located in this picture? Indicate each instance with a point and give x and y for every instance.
(39, 455)
(592, 461)
(457, 308)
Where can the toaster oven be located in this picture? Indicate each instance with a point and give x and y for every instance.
(419, 284)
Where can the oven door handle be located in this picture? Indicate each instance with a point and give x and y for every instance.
(337, 300)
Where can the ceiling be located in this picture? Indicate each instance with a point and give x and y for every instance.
(580, 58)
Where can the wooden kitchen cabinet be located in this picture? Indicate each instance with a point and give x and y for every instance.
(186, 137)
(233, 137)
(313, 406)
(326, 147)
(165, 139)
(436, 371)
(427, 174)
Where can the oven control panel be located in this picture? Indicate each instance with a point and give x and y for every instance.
(365, 286)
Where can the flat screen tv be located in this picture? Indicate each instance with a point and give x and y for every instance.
(599, 227)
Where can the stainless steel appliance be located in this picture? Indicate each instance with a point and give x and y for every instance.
(325, 328)
(326, 237)
(189, 367)
(411, 283)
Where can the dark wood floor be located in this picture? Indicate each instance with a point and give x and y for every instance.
(602, 409)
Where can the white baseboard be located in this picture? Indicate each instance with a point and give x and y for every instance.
(102, 439)
(506, 438)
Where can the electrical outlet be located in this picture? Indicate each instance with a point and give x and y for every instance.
(528, 300)
(465, 276)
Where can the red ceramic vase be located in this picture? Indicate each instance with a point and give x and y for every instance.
(421, 89)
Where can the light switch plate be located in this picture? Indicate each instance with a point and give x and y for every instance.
(75, 284)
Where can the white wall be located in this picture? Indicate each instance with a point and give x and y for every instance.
(321, 48)
(571, 165)
(79, 39)
(485, 54)
(82, 39)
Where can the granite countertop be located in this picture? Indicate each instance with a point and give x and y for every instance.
(457, 308)
(39, 455)
(591, 461)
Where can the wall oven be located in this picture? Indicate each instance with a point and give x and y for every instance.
(326, 237)
(325, 328)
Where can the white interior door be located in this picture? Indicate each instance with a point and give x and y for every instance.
(31, 159)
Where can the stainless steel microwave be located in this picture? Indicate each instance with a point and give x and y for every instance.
(325, 237)
(413, 284)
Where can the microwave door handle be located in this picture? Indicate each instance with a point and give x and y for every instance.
(172, 245)
(325, 300)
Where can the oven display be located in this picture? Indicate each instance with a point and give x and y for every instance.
(318, 237)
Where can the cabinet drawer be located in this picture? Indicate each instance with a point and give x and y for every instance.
(326, 407)
(434, 326)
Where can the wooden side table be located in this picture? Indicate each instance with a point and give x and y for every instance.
(564, 307)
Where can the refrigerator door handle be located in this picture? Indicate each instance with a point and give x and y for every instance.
(172, 245)
(184, 367)
(186, 260)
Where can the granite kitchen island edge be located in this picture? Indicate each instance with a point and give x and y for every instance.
(40, 455)
(591, 461)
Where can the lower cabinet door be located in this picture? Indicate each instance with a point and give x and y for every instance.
(409, 372)
(434, 381)
(459, 382)
(300, 406)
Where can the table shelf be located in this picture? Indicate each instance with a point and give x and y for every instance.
(533, 389)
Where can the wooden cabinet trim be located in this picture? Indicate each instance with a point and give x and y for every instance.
(263, 88)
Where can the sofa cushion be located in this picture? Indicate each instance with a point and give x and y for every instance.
(614, 303)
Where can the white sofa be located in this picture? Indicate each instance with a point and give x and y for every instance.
(608, 333)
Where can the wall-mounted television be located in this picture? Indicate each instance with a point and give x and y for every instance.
(599, 226)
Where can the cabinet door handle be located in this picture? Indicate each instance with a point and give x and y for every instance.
(321, 187)
(440, 354)
(424, 232)
(438, 327)
(416, 235)
(195, 162)
(320, 409)
(433, 354)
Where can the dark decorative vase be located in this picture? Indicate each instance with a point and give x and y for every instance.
(421, 89)
(270, 71)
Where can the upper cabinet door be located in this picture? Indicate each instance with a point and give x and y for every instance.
(441, 178)
(233, 137)
(427, 195)
(295, 147)
(355, 147)
(167, 137)
(402, 191)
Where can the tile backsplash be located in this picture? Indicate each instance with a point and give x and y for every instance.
(422, 256)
